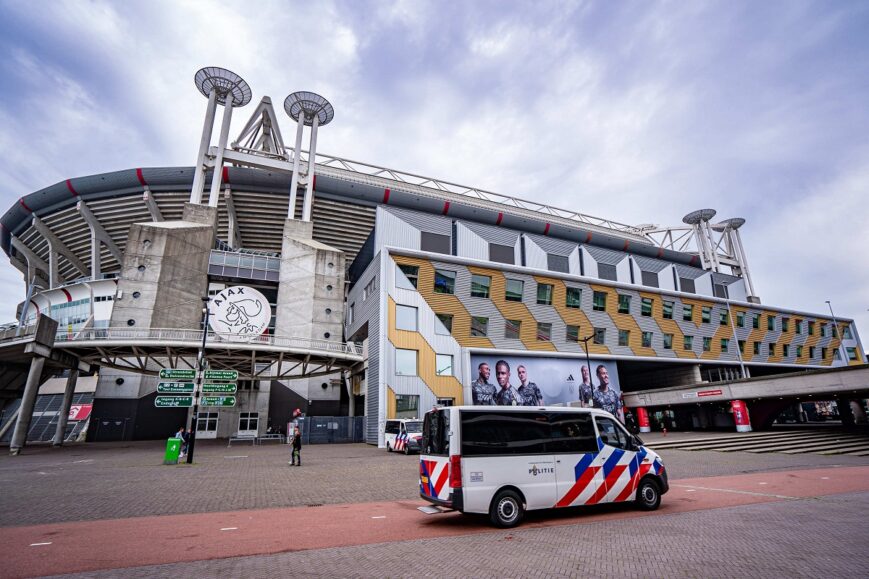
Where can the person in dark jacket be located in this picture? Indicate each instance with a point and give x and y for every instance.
(297, 448)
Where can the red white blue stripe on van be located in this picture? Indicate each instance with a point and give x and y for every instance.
(433, 479)
(400, 441)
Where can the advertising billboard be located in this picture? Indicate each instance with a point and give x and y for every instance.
(535, 380)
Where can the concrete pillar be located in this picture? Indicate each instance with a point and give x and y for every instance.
(859, 412)
(63, 417)
(740, 416)
(643, 420)
(25, 415)
(845, 413)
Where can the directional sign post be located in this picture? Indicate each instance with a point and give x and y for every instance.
(175, 387)
(170, 374)
(174, 401)
(225, 375)
(219, 388)
(224, 401)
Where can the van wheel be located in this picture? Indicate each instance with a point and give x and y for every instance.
(506, 510)
(388, 448)
(648, 495)
(406, 451)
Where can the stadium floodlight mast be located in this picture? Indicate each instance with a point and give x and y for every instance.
(222, 86)
(699, 222)
(306, 108)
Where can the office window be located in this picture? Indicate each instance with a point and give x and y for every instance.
(771, 348)
(812, 351)
(687, 312)
(687, 285)
(370, 289)
(707, 344)
(824, 353)
(405, 362)
(741, 344)
(835, 329)
(544, 294)
(599, 302)
(724, 318)
(435, 243)
(599, 335)
(511, 329)
(852, 354)
(445, 327)
(351, 314)
(798, 326)
(624, 304)
(647, 339)
(668, 310)
(688, 342)
(444, 282)
(846, 332)
(823, 330)
(785, 324)
(740, 319)
(785, 350)
(574, 295)
(406, 405)
(544, 332)
(719, 290)
(811, 328)
(799, 351)
(557, 263)
(607, 271)
(514, 290)
(836, 354)
(650, 278)
(572, 333)
(755, 321)
(646, 306)
(480, 286)
(756, 349)
(405, 318)
(668, 341)
(624, 337)
(502, 253)
(479, 327)
(770, 322)
(443, 365)
(406, 276)
(706, 314)
(725, 344)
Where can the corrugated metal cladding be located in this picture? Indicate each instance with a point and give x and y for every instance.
(551, 245)
(493, 234)
(689, 272)
(535, 256)
(608, 256)
(650, 264)
(392, 231)
(723, 278)
(470, 244)
(423, 221)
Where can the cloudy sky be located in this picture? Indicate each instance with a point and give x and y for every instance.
(635, 111)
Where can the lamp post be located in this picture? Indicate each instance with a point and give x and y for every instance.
(201, 364)
(588, 361)
(838, 333)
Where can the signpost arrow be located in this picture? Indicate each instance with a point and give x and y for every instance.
(220, 388)
(174, 401)
(225, 401)
(228, 375)
(175, 387)
(171, 374)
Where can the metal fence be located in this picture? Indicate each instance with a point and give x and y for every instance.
(333, 429)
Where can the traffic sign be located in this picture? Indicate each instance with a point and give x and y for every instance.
(218, 401)
(175, 387)
(221, 388)
(221, 375)
(174, 401)
(170, 374)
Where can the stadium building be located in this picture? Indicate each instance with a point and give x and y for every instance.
(388, 291)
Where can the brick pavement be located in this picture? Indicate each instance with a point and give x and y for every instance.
(117, 480)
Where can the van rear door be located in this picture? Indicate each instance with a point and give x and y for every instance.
(578, 464)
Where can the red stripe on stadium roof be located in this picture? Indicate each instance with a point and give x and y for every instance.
(500, 218)
(67, 294)
(141, 178)
(693, 259)
(226, 175)
(627, 244)
(546, 231)
(588, 237)
(386, 196)
(446, 207)
(23, 204)
(71, 188)
(660, 252)
(314, 186)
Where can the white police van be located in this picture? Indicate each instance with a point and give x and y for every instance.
(506, 460)
(403, 435)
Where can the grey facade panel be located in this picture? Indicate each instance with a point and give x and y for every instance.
(552, 245)
(493, 234)
(608, 256)
(650, 264)
(423, 221)
(689, 272)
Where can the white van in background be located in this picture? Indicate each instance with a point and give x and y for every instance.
(506, 460)
(403, 435)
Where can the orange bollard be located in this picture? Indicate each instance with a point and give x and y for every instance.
(665, 431)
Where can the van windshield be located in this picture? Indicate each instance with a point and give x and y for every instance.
(435, 433)
(415, 426)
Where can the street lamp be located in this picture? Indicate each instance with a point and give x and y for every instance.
(200, 366)
(587, 361)
(838, 333)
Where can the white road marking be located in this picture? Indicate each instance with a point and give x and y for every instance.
(735, 491)
(81, 461)
(825, 478)
(236, 456)
(39, 544)
(229, 529)
(691, 491)
(762, 483)
(379, 517)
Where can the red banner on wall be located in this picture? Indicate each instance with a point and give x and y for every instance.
(80, 411)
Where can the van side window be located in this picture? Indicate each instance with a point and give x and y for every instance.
(504, 433)
(391, 427)
(610, 433)
(435, 433)
(571, 433)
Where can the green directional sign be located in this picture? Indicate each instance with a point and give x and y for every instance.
(175, 387)
(174, 401)
(170, 374)
(225, 401)
(221, 388)
(231, 375)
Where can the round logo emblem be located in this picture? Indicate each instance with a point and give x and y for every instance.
(239, 313)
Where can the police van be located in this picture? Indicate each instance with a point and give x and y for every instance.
(403, 435)
(506, 460)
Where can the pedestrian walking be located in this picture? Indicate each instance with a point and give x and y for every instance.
(297, 448)
(182, 434)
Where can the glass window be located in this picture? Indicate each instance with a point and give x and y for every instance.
(572, 333)
(544, 294)
(649, 278)
(248, 421)
(835, 331)
(811, 351)
(574, 295)
(405, 362)
(846, 332)
(785, 349)
(785, 324)
(647, 339)
(741, 344)
(571, 433)
(852, 354)
(445, 282)
(370, 289)
(755, 321)
(836, 354)
(445, 327)
(610, 433)
(544, 332)
(514, 290)
(479, 327)
(599, 303)
(740, 319)
(687, 342)
(756, 349)
(624, 304)
(706, 314)
(405, 318)
(687, 285)
(668, 341)
(824, 353)
(350, 313)
(668, 310)
(725, 344)
(406, 406)
(443, 365)
(480, 286)
(557, 263)
(724, 318)
(607, 271)
(687, 312)
(494, 433)
(599, 335)
(772, 348)
(624, 337)
(770, 322)
(811, 328)
(511, 329)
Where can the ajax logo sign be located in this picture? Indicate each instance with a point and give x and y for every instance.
(239, 313)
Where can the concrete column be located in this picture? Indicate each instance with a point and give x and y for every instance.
(63, 417)
(740, 416)
(25, 415)
(205, 141)
(217, 176)
(643, 420)
(297, 156)
(845, 413)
